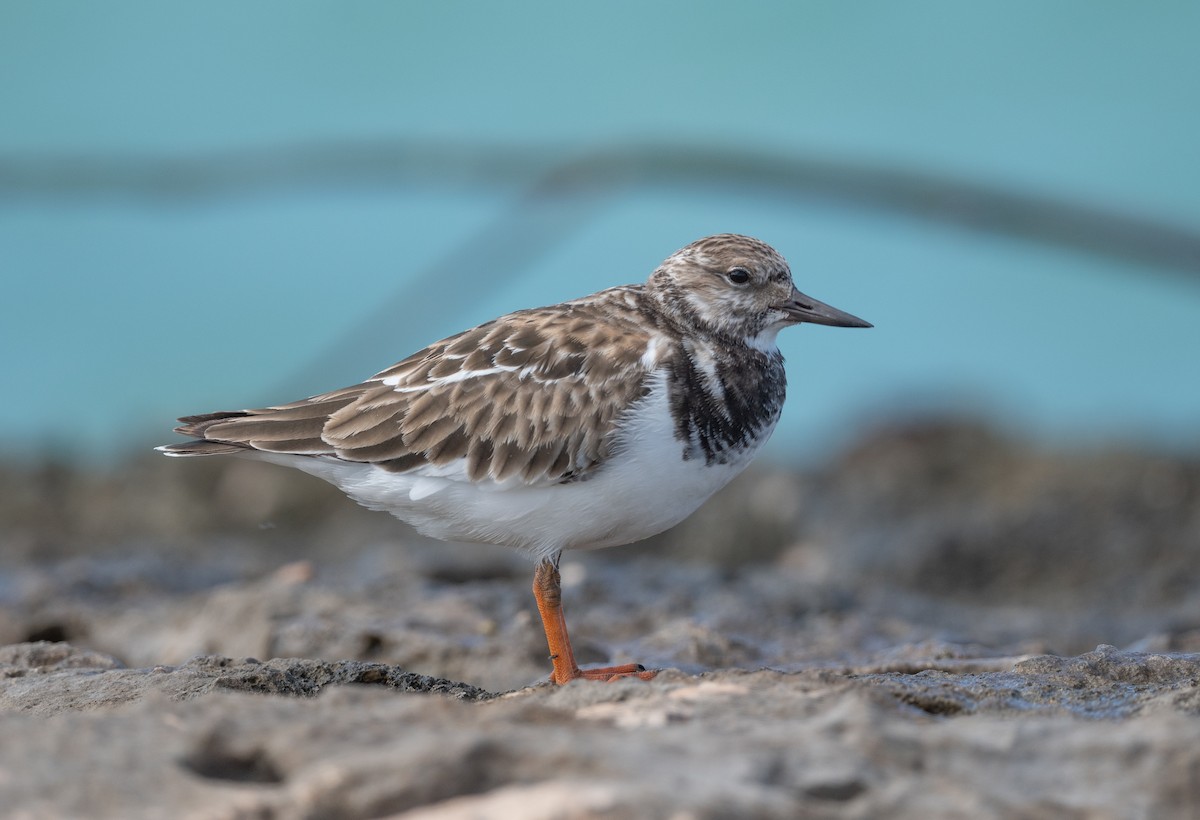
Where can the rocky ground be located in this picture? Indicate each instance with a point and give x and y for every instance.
(939, 622)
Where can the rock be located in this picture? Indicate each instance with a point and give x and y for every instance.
(902, 632)
(1106, 683)
(45, 679)
(762, 744)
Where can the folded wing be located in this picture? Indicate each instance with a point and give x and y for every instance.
(534, 396)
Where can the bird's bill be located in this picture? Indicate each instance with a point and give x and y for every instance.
(801, 308)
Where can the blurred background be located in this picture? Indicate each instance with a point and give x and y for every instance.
(226, 205)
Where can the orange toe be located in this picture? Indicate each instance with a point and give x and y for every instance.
(612, 673)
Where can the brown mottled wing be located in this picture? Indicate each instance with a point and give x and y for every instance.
(534, 395)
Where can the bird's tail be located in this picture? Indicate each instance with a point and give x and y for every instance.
(195, 426)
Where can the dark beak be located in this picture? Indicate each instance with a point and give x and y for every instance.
(803, 308)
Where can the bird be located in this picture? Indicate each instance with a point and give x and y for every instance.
(591, 423)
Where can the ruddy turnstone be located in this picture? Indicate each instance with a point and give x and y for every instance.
(597, 422)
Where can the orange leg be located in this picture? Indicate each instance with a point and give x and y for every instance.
(547, 590)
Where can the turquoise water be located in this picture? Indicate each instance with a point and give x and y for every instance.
(125, 306)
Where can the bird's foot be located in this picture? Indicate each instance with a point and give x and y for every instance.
(607, 673)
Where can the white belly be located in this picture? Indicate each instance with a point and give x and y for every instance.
(645, 488)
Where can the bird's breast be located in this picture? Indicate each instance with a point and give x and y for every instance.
(724, 403)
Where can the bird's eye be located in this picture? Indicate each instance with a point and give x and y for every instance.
(739, 276)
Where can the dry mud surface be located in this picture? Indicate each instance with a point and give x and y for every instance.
(938, 623)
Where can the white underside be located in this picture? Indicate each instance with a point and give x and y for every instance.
(647, 487)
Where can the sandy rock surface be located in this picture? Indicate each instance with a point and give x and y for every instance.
(302, 738)
(939, 623)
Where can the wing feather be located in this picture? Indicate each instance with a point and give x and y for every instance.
(534, 396)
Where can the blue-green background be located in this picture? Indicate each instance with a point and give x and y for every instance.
(122, 308)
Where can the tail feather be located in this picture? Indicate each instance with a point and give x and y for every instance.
(196, 425)
(200, 448)
(292, 428)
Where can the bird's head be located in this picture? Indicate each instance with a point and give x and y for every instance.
(737, 286)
